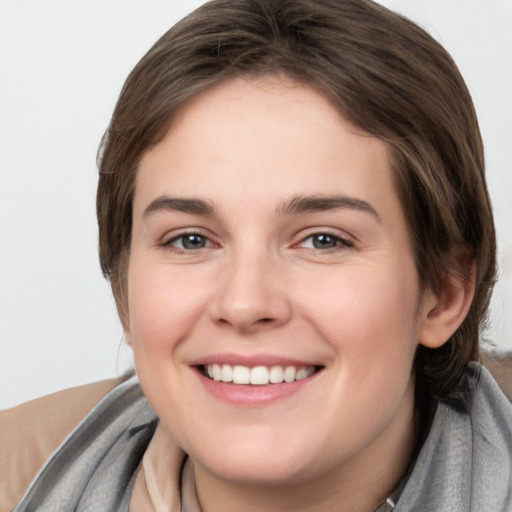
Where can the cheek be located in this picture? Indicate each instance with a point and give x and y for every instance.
(369, 316)
(163, 307)
(370, 321)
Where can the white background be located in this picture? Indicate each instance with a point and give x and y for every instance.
(62, 64)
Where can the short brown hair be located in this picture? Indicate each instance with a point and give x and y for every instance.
(385, 74)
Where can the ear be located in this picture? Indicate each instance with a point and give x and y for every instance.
(441, 314)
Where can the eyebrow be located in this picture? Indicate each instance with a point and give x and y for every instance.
(296, 205)
(307, 204)
(179, 204)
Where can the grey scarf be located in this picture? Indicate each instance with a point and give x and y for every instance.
(465, 464)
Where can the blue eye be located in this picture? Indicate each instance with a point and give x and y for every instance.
(324, 241)
(191, 241)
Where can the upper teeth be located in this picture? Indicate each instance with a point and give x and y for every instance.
(259, 375)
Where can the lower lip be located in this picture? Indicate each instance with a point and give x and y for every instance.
(252, 395)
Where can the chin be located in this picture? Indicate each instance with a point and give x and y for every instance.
(272, 458)
(264, 469)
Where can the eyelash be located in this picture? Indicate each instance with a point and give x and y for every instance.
(339, 242)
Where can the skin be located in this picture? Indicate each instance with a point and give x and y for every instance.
(260, 284)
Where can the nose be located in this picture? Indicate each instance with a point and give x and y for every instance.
(251, 295)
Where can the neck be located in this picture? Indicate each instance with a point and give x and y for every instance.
(362, 483)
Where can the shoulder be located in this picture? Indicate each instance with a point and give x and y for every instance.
(31, 432)
(500, 367)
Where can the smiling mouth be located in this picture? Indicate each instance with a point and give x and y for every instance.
(257, 375)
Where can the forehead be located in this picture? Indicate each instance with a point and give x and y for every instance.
(269, 130)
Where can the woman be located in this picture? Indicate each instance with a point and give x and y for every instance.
(294, 220)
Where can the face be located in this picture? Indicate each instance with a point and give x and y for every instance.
(272, 292)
